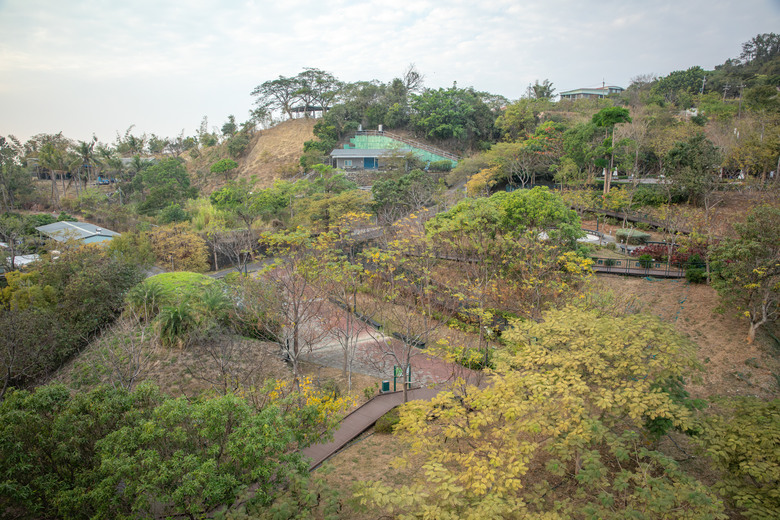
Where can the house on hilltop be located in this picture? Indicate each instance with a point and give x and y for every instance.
(592, 93)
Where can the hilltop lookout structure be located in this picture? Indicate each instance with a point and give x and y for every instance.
(368, 149)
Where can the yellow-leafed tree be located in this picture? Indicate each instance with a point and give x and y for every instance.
(564, 429)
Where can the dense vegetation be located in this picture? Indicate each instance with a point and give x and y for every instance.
(480, 266)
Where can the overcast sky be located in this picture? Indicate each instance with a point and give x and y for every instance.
(99, 66)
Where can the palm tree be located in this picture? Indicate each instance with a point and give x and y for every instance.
(52, 158)
(86, 160)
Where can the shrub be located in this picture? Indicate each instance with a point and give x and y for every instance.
(696, 275)
(646, 261)
(643, 226)
(237, 144)
(441, 166)
(175, 324)
(656, 251)
(132, 248)
(632, 236)
(171, 214)
(648, 196)
(146, 298)
(387, 423)
(329, 387)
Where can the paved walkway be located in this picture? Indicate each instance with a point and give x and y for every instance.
(360, 420)
(372, 359)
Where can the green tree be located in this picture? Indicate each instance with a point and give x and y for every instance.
(409, 193)
(541, 210)
(28, 347)
(13, 234)
(452, 114)
(276, 94)
(51, 154)
(129, 145)
(66, 455)
(86, 161)
(229, 128)
(14, 181)
(91, 287)
(224, 166)
(678, 86)
(543, 90)
(517, 120)
(747, 269)
(580, 144)
(607, 118)
(761, 48)
(162, 184)
(692, 166)
(507, 264)
(242, 200)
(133, 248)
(523, 161)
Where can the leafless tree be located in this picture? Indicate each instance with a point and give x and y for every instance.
(296, 303)
(410, 308)
(228, 362)
(236, 244)
(413, 79)
(126, 352)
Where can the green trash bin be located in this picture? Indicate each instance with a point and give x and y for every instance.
(385, 386)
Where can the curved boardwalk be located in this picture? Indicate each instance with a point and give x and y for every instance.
(360, 420)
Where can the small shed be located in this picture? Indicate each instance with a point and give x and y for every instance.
(83, 232)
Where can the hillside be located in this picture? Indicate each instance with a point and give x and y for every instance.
(272, 154)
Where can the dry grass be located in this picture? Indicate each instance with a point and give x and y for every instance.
(732, 366)
(368, 458)
(274, 153)
(181, 372)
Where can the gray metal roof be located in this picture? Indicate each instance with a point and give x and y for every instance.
(351, 153)
(63, 231)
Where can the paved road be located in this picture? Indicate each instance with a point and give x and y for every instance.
(250, 268)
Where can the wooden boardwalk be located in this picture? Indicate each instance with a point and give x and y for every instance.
(671, 272)
(361, 419)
